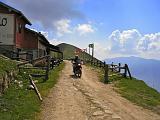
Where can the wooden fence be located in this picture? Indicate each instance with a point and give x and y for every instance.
(114, 68)
(43, 63)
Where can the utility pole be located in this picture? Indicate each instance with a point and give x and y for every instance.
(91, 46)
(92, 51)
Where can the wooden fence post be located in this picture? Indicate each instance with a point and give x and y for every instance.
(112, 66)
(48, 67)
(119, 64)
(35, 87)
(100, 64)
(106, 73)
(125, 70)
(128, 71)
(104, 64)
(62, 55)
(93, 62)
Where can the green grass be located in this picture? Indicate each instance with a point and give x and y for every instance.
(139, 93)
(6, 65)
(68, 50)
(136, 91)
(19, 103)
(44, 87)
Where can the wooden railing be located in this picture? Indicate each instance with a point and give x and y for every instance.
(114, 68)
(45, 63)
(49, 63)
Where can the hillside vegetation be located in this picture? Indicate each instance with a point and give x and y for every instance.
(69, 52)
(136, 91)
(6, 65)
(140, 93)
(18, 102)
(141, 68)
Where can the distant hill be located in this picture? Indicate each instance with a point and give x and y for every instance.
(69, 51)
(145, 69)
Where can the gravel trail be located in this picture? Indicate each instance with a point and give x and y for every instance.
(88, 99)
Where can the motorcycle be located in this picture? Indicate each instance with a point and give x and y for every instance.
(77, 69)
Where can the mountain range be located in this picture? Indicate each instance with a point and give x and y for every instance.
(147, 70)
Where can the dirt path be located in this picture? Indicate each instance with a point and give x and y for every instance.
(89, 99)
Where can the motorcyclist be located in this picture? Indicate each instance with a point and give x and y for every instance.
(76, 61)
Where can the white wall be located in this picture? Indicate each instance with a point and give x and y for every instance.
(6, 29)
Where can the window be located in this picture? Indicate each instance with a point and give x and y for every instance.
(19, 27)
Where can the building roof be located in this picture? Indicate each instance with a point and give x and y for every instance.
(32, 31)
(54, 48)
(16, 11)
(45, 41)
(43, 38)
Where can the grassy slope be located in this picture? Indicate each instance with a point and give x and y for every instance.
(137, 91)
(68, 50)
(19, 103)
(6, 65)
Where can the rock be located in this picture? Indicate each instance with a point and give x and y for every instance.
(116, 117)
(108, 112)
(75, 89)
(5, 110)
(97, 113)
(88, 94)
(20, 85)
(35, 81)
(90, 98)
(15, 81)
(100, 118)
(30, 87)
(96, 102)
(106, 107)
(20, 82)
(93, 107)
(86, 118)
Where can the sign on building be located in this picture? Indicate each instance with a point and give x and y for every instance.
(6, 29)
(91, 45)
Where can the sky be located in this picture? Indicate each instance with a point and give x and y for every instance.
(116, 27)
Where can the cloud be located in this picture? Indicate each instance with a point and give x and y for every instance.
(124, 41)
(149, 46)
(100, 51)
(45, 33)
(132, 42)
(149, 43)
(84, 29)
(47, 11)
(62, 26)
(55, 41)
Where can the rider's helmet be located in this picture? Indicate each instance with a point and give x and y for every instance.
(76, 56)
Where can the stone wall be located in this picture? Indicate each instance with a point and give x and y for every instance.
(6, 79)
(6, 50)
